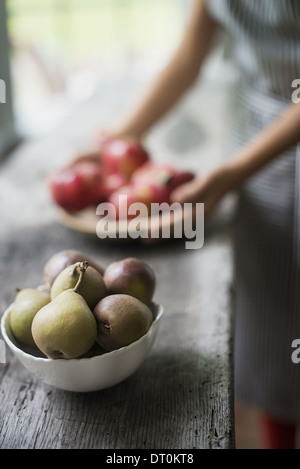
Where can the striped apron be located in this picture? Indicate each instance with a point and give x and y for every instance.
(265, 39)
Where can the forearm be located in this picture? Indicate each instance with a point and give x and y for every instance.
(177, 77)
(282, 134)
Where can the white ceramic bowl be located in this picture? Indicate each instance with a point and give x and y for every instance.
(85, 374)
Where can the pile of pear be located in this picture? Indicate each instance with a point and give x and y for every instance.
(83, 309)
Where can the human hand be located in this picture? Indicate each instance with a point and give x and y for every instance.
(207, 189)
(92, 155)
(104, 135)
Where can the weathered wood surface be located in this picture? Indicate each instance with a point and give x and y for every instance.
(182, 395)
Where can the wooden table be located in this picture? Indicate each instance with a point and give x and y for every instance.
(182, 395)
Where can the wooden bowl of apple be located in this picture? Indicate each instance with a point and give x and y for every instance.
(121, 168)
(85, 328)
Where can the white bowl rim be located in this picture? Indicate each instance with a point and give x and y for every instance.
(160, 311)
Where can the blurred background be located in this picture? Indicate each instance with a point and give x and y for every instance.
(61, 51)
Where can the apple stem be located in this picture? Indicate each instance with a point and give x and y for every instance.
(81, 267)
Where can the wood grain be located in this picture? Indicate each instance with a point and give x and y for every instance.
(182, 395)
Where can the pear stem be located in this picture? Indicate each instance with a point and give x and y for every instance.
(81, 267)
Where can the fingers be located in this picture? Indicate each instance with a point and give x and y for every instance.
(188, 192)
(92, 155)
(105, 135)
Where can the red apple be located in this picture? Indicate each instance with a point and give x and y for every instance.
(133, 194)
(112, 183)
(122, 157)
(151, 183)
(179, 177)
(78, 186)
(162, 179)
(155, 193)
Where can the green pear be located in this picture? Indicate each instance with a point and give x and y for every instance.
(131, 276)
(27, 303)
(66, 327)
(121, 320)
(92, 286)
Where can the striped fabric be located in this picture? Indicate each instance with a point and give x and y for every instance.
(265, 40)
(266, 49)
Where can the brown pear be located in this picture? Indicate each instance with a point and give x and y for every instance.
(62, 259)
(131, 276)
(121, 320)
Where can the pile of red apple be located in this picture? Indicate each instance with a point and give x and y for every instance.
(123, 167)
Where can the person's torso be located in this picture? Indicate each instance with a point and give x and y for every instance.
(265, 40)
